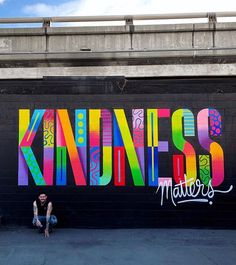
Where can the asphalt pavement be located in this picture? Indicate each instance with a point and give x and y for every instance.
(26, 246)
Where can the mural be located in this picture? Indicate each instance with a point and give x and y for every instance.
(160, 153)
(113, 144)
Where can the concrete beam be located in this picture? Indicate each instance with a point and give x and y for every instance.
(127, 71)
(116, 38)
(144, 50)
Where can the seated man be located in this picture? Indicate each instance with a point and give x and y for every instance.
(43, 219)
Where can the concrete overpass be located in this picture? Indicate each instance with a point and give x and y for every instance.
(193, 49)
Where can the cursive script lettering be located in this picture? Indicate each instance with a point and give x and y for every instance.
(188, 191)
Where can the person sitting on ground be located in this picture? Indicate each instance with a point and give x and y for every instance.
(42, 209)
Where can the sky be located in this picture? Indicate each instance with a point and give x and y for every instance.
(42, 8)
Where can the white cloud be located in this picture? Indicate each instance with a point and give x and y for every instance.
(2, 1)
(111, 7)
(126, 7)
(42, 9)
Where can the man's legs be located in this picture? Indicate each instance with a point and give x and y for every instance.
(52, 222)
(42, 220)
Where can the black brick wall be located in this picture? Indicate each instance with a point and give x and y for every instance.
(112, 206)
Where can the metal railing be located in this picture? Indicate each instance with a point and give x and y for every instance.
(129, 19)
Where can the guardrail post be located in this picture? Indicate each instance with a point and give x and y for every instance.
(211, 17)
(129, 20)
(46, 22)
